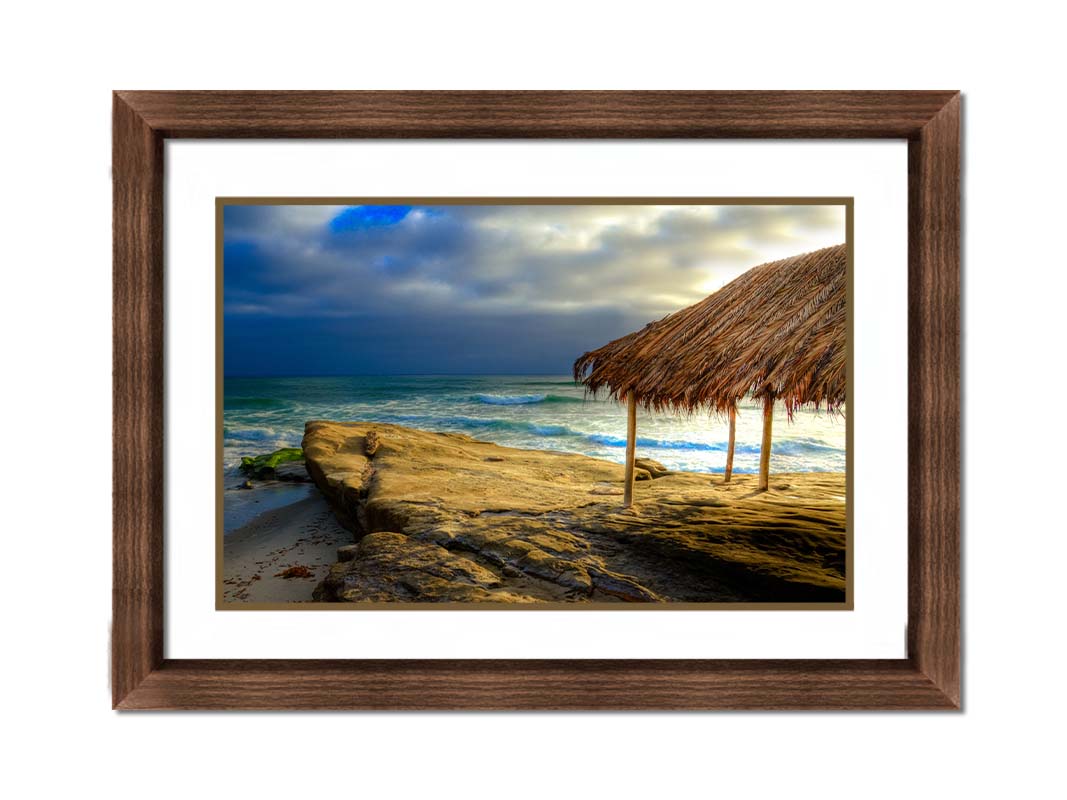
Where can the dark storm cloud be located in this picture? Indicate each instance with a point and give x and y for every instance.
(479, 288)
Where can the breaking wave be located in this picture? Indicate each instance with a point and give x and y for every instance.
(522, 399)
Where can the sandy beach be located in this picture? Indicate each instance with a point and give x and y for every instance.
(298, 529)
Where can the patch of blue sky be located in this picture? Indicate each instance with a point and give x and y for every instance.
(357, 218)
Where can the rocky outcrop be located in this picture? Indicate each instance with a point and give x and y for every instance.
(391, 566)
(653, 468)
(441, 517)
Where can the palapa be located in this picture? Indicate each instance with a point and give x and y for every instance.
(776, 333)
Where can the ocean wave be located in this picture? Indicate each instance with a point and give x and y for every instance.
(620, 441)
(522, 399)
(252, 403)
(803, 446)
(480, 424)
(786, 447)
(257, 434)
(490, 425)
(552, 430)
(802, 453)
(508, 425)
(509, 399)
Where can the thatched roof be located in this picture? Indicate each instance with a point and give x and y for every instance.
(778, 329)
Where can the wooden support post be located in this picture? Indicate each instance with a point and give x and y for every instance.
(631, 443)
(730, 446)
(765, 446)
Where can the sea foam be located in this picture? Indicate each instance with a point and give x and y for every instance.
(522, 399)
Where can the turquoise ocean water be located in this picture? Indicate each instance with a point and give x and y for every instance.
(536, 411)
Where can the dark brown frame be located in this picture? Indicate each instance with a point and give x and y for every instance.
(929, 678)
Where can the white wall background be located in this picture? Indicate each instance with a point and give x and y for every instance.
(58, 66)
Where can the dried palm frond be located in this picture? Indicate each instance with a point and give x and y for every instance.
(778, 330)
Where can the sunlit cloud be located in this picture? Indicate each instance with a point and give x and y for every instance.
(596, 271)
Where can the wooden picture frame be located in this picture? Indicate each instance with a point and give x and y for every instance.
(928, 678)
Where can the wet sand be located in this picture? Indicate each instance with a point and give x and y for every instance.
(302, 533)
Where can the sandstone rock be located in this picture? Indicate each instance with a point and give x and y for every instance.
(347, 552)
(445, 518)
(653, 468)
(294, 471)
(391, 567)
(606, 490)
(623, 588)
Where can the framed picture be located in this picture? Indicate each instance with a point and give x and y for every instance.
(461, 444)
(565, 381)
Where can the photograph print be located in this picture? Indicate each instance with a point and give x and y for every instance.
(534, 404)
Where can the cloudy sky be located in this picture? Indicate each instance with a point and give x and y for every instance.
(505, 289)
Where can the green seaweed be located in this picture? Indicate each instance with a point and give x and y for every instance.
(264, 466)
